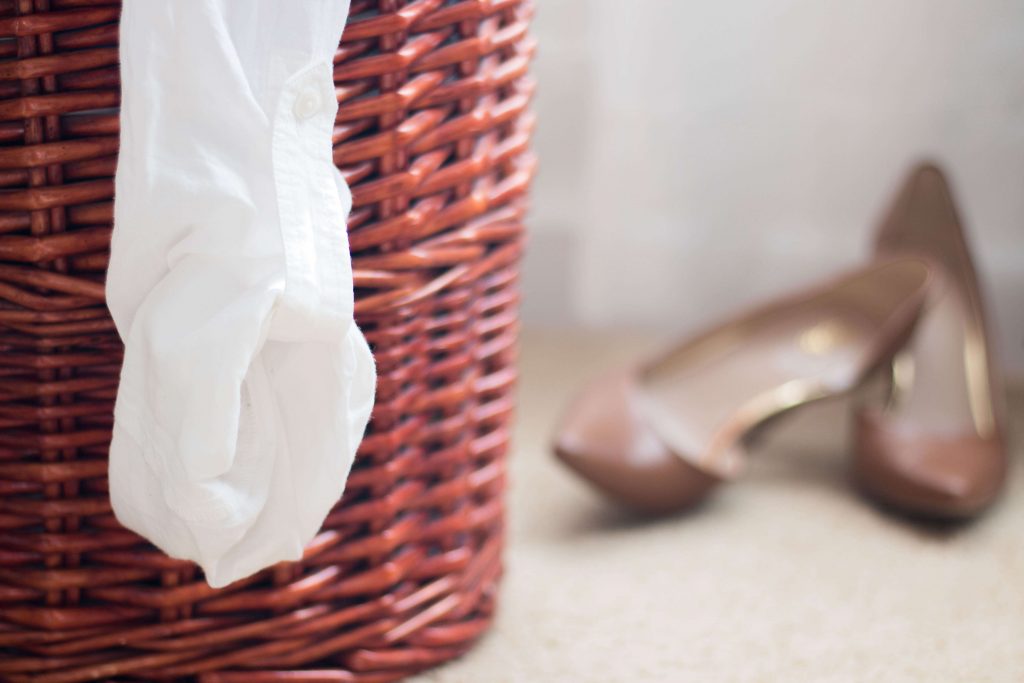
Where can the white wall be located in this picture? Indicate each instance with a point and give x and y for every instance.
(699, 155)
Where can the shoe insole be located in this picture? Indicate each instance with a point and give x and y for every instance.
(933, 388)
(704, 397)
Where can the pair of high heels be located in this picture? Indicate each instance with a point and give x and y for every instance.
(661, 435)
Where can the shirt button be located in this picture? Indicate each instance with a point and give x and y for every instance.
(307, 104)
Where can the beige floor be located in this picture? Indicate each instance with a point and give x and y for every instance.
(786, 575)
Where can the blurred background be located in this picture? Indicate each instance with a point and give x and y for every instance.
(696, 156)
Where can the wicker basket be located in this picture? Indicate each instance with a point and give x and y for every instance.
(432, 135)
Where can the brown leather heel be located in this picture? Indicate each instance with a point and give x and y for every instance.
(660, 437)
(938, 448)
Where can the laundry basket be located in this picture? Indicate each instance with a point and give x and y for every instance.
(432, 135)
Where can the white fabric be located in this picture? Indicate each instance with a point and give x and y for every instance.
(246, 384)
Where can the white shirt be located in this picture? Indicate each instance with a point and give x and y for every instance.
(246, 385)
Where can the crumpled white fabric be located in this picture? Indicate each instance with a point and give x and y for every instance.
(246, 385)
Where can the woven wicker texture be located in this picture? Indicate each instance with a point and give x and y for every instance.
(432, 135)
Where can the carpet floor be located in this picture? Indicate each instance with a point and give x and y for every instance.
(785, 575)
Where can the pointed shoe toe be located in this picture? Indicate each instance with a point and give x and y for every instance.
(947, 476)
(604, 439)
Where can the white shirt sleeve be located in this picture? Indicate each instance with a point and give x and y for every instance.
(246, 385)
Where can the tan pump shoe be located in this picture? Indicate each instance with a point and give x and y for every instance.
(938, 448)
(660, 436)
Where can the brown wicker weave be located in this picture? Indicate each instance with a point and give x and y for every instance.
(432, 135)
